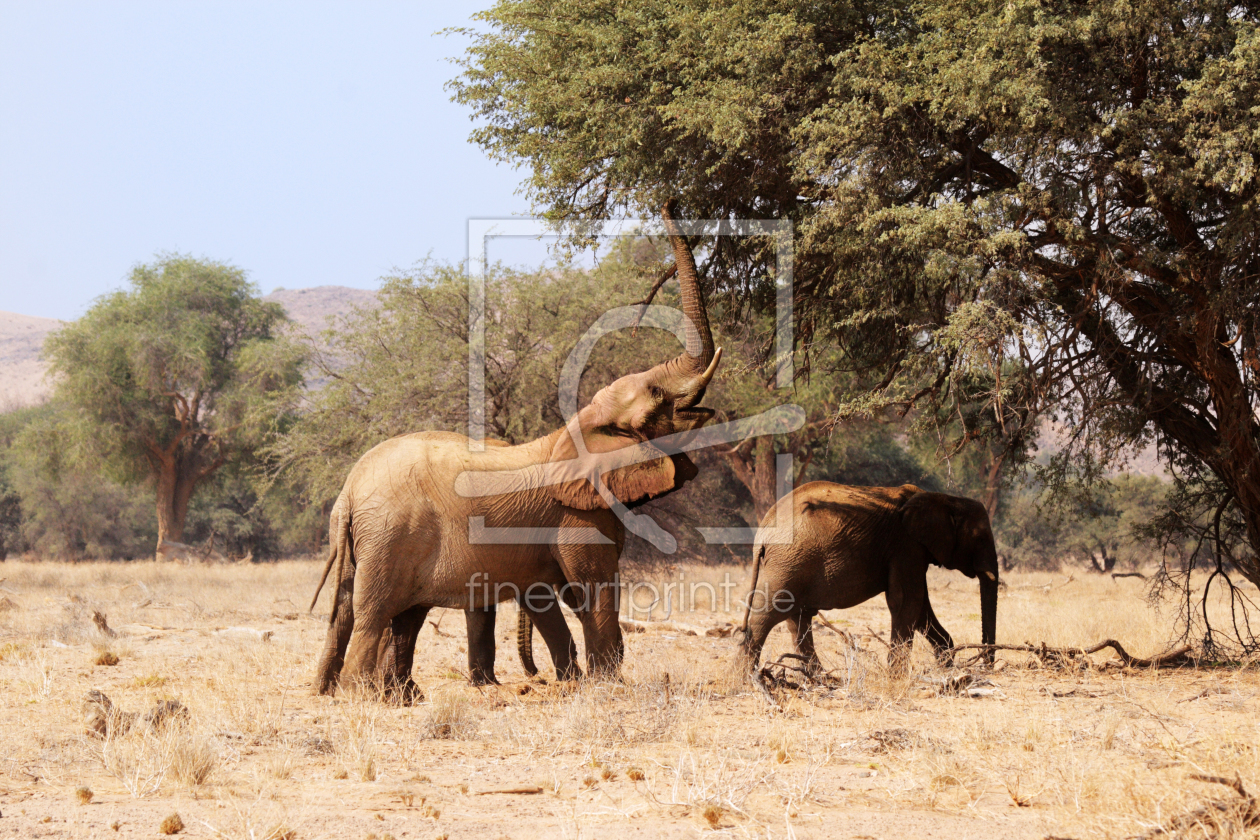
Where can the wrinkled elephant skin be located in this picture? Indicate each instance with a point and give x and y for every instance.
(850, 544)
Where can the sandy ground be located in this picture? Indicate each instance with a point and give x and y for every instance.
(680, 747)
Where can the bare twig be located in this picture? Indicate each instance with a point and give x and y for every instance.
(656, 287)
(755, 678)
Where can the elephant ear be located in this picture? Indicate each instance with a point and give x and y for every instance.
(631, 485)
(930, 520)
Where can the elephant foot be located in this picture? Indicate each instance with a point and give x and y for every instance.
(479, 677)
(324, 687)
(572, 674)
(609, 675)
(404, 694)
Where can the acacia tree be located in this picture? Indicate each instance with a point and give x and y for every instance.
(165, 376)
(1055, 203)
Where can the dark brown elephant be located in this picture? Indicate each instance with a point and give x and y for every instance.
(402, 530)
(849, 544)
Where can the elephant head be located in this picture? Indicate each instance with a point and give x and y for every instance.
(640, 407)
(956, 534)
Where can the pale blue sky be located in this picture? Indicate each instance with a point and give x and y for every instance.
(309, 143)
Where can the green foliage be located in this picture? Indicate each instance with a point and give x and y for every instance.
(57, 500)
(1105, 526)
(1003, 209)
(186, 332)
(65, 507)
(11, 424)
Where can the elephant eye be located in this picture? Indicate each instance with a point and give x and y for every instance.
(657, 392)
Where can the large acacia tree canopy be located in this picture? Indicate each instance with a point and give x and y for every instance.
(1010, 204)
(170, 377)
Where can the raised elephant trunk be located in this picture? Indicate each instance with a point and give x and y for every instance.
(688, 375)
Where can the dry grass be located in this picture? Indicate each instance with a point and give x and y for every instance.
(682, 744)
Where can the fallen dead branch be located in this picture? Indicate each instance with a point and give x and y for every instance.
(630, 625)
(874, 635)
(962, 685)
(1170, 659)
(521, 791)
(1218, 818)
(246, 633)
(848, 640)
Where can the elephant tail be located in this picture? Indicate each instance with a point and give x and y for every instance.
(338, 554)
(759, 553)
(525, 641)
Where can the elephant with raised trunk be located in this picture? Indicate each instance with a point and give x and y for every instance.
(849, 544)
(409, 529)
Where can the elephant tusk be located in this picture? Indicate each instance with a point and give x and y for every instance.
(708, 374)
(990, 575)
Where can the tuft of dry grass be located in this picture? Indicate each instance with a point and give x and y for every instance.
(171, 825)
(451, 715)
(194, 759)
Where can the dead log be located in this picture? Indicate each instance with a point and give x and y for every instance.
(1170, 659)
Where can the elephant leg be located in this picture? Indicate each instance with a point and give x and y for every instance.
(937, 636)
(397, 654)
(363, 651)
(605, 649)
(591, 572)
(906, 605)
(333, 656)
(481, 645)
(801, 625)
(546, 615)
(762, 618)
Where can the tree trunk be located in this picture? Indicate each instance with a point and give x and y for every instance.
(1225, 443)
(175, 485)
(993, 483)
(757, 472)
(763, 489)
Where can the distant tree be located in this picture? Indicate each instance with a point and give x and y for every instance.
(1099, 526)
(11, 423)
(66, 507)
(1057, 202)
(166, 377)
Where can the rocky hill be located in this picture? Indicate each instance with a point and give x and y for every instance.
(22, 370)
(311, 308)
